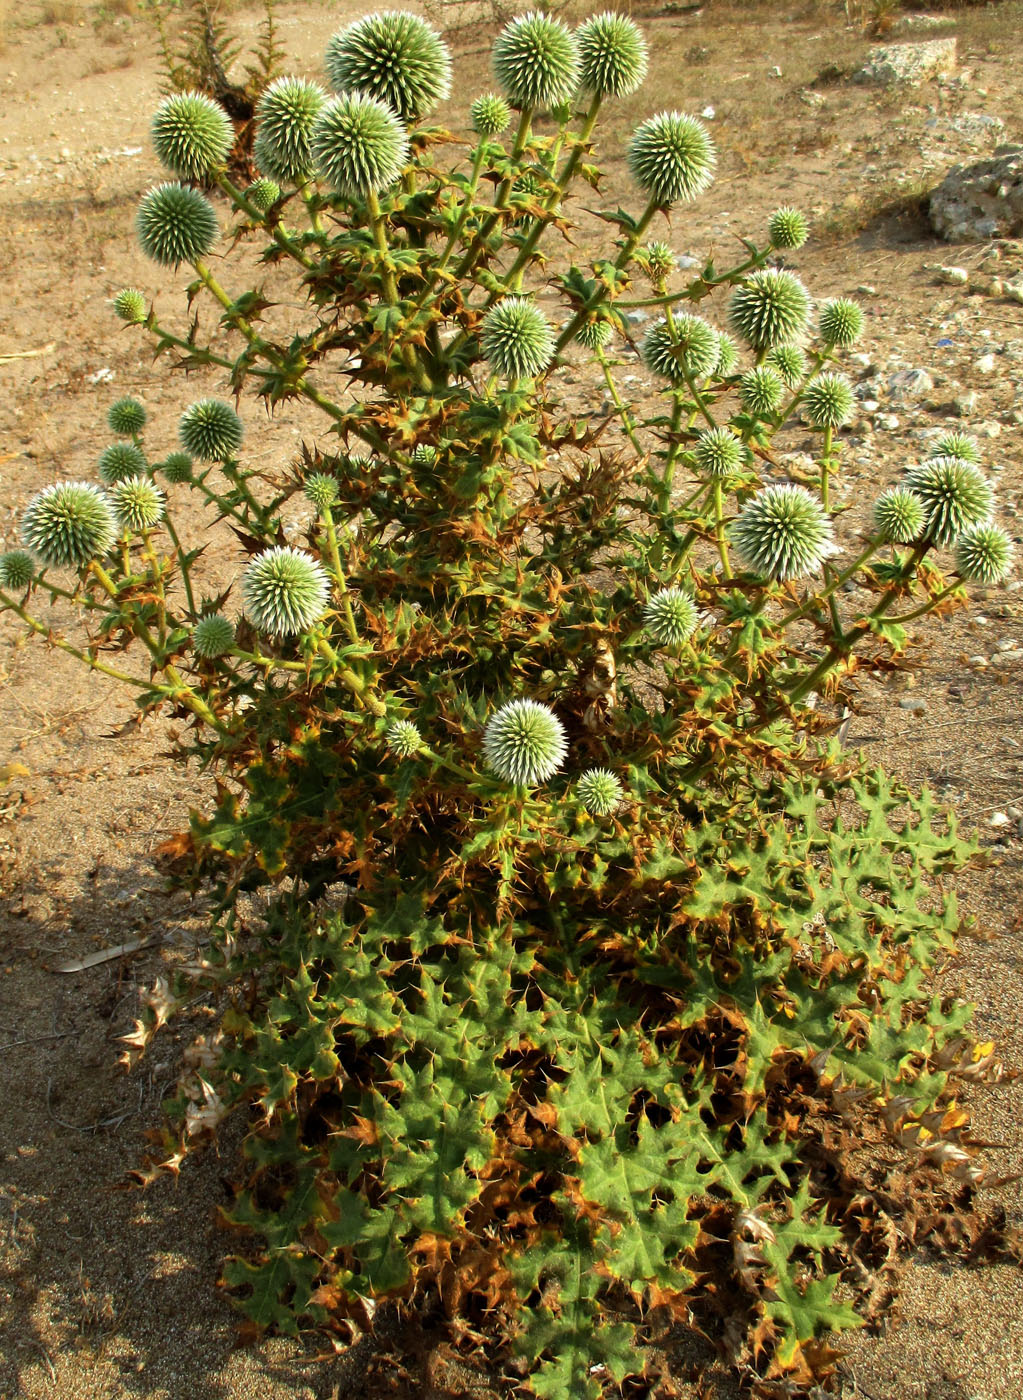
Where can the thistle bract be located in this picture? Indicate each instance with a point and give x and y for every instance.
(17, 569)
(599, 791)
(671, 617)
(177, 468)
(359, 145)
(404, 739)
(210, 430)
(984, 554)
(536, 61)
(138, 504)
(68, 525)
(321, 490)
(612, 55)
(395, 57)
(176, 224)
(192, 135)
(424, 454)
(285, 115)
(120, 461)
(787, 228)
(829, 401)
(490, 115)
(516, 339)
(130, 305)
(693, 349)
(213, 636)
(840, 322)
(718, 452)
(284, 591)
(524, 743)
(789, 361)
(899, 516)
(672, 157)
(126, 417)
(771, 306)
(761, 390)
(956, 444)
(783, 532)
(264, 194)
(954, 494)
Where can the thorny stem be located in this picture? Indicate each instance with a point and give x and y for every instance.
(624, 416)
(277, 234)
(339, 576)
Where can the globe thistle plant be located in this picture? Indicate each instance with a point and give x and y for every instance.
(660, 261)
(177, 468)
(490, 115)
(670, 616)
(787, 228)
(599, 791)
(899, 516)
(120, 461)
(130, 305)
(984, 554)
(718, 452)
(768, 308)
(789, 361)
(213, 636)
(693, 349)
(761, 391)
(672, 157)
(126, 417)
(68, 525)
(359, 146)
(17, 569)
(284, 591)
(536, 62)
(829, 400)
(210, 430)
(285, 115)
(395, 57)
(784, 532)
(176, 224)
(516, 338)
(728, 356)
(594, 334)
(138, 504)
(192, 135)
(524, 743)
(840, 322)
(955, 496)
(263, 193)
(612, 55)
(322, 490)
(956, 444)
(404, 739)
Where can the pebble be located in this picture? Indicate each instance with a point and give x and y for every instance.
(979, 663)
(916, 703)
(953, 276)
(1008, 644)
(999, 819)
(910, 384)
(870, 405)
(966, 404)
(1007, 658)
(985, 365)
(888, 421)
(989, 429)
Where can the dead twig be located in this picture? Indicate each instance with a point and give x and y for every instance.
(27, 354)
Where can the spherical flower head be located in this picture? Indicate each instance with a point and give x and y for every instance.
(17, 569)
(490, 115)
(210, 430)
(671, 157)
(829, 401)
(594, 334)
(516, 339)
(787, 228)
(671, 617)
(760, 391)
(783, 532)
(789, 361)
(120, 461)
(694, 349)
(960, 445)
(192, 135)
(771, 306)
(612, 55)
(404, 739)
(395, 57)
(68, 524)
(524, 743)
(126, 417)
(213, 636)
(899, 516)
(660, 260)
(718, 452)
(263, 194)
(840, 322)
(284, 591)
(138, 504)
(599, 791)
(424, 454)
(130, 305)
(359, 145)
(955, 496)
(176, 224)
(321, 490)
(177, 468)
(536, 61)
(984, 554)
(728, 356)
(285, 115)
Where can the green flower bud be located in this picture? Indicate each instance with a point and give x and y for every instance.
(671, 617)
(516, 339)
(771, 306)
(120, 461)
(213, 636)
(672, 157)
(359, 145)
(660, 261)
(138, 504)
(612, 55)
(984, 554)
(321, 490)
(264, 194)
(192, 135)
(126, 417)
(130, 305)
(17, 569)
(424, 454)
(761, 391)
(718, 452)
(404, 739)
(284, 591)
(177, 468)
(594, 334)
(394, 57)
(787, 228)
(285, 116)
(829, 401)
(789, 361)
(524, 743)
(490, 115)
(210, 430)
(783, 532)
(175, 224)
(955, 496)
(536, 61)
(68, 524)
(956, 444)
(599, 791)
(840, 322)
(694, 349)
(898, 516)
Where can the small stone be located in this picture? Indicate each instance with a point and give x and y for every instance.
(990, 429)
(909, 64)
(986, 364)
(910, 384)
(866, 289)
(636, 318)
(966, 404)
(1007, 644)
(887, 421)
(1007, 658)
(916, 703)
(979, 663)
(953, 276)
(708, 114)
(774, 72)
(997, 819)
(870, 405)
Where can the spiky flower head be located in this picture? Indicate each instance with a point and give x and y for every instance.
(17, 569)
(404, 739)
(490, 115)
(693, 350)
(285, 115)
(660, 260)
(263, 193)
(395, 57)
(210, 430)
(424, 454)
(126, 417)
(213, 636)
(192, 135)
(284, 591)
(594, 334)
(955, 496)
(956, 444)
(130, 305)
(840, 322)
(728, 356)
(612, 55)
(176, 224)
(359, 145)
(789, 361)
(536, 61)
(984, 554)
(761, 390)
(322, 490)
(899, 515)
(599, 791)
(771, 306)
(68, 524)
(718, 452)
(787, 228)
(671, 617)
(783, 532)
(138, 504)
(120, 461)
(671, 157)
(516, 339)
(524, 743)
(829, 401)
(177, 468)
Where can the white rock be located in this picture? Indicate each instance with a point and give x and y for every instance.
(1008, 644)
(916, 703)
(708, 114)
(979, 663)
(909, 64)
(910, 384)
(985, 365)
(999, 819)
(966, 404)
(887, 421)
(953, 276)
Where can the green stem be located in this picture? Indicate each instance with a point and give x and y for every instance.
(92, 662)
(624, 416)
(569, 333)
(277, 234)
(826, 466)
(719, 527)
(339, 576)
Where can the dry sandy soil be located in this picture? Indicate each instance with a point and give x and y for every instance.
(109, 1292)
